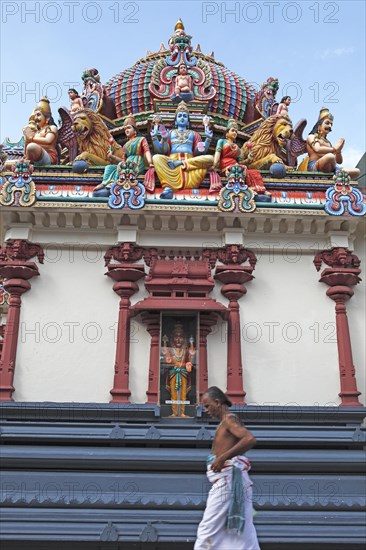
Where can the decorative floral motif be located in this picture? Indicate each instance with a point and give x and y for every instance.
(236, 194)
(127, 191)
(20, 189)
(343, 197)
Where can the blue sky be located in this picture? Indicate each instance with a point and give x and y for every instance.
(315, 49)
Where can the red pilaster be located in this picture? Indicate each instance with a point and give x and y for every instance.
(233, 275)
(152, 322)
(16, 271)
(207, 321)
(125, 275)
(342, 274)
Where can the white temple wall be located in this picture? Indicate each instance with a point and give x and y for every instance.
(66, 349)
(60, 361)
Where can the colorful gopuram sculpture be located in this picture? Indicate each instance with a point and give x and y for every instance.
(181, 76)
(322, 155)
(282, 109)
(227, 152)
(76, 103)
(265, 98)
(197, 118)
(94, 95)
(135, 150)
(180, 161)
(267, 145)
(41, 136)
(178, 358)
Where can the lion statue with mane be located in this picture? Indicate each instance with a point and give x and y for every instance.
(268, 144)
(85, 135)
(93, 138)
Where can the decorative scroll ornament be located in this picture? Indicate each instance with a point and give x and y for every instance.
(343, 197)
(20, 189)
(181, 76)
(236, 195)
(127, 191)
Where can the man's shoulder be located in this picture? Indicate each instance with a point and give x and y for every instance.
(232, 418)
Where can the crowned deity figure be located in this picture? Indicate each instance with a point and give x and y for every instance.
(227, 151)
(323, 156)
(181, 161)
(179, 359)
(41, 135)
(136, 150)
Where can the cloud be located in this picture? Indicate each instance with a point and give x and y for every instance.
(335, 52)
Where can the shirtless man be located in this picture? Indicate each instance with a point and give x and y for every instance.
(227, 523)
(323, 156)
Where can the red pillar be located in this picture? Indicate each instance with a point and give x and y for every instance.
(152, 322)
(16, 271)
(234, 275)
(125, 286)
(340, 276)
(207, 320)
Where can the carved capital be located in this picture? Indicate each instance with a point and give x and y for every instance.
(234, 254)
(21, 251)
(124, 253)
(337, 258)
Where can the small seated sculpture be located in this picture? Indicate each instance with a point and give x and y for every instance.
(322, 155)
(181, 161)
(76, 103)
(183, 85)
(41, 135)
(227, 151)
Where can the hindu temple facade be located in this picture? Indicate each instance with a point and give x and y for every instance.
(176, 242)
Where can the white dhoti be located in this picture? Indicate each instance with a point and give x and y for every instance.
(213, 533)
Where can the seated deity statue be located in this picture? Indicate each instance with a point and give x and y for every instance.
(179, 359)
(227, 151)
(41, 135)
(183, 84)
(322, 155)
(180, 161)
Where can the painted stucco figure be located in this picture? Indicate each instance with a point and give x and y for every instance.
(181, 161)
(135, 150)
(322, 155)
(183, 84)
(282, 109)
(94, 141)
(268, 144)
(227, 152)
(41, 136)
(76, 103)
(179, 358)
